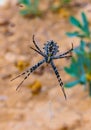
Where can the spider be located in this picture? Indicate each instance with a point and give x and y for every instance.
(49, 55)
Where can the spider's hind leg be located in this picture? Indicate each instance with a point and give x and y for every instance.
(58, 77)
(28, 72)
(20, 75)
(22, 81)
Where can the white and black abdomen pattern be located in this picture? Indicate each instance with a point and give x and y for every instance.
(50, 48)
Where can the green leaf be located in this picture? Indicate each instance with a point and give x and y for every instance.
(72, 71)
(75, 22)
(83, 79)
(75, 34)
(26, 2)
(85, 23)
(69, 71)
(72, 34)
(82, 35)
(72, 84)
(81, 49)
(82, 45)
(84, 18)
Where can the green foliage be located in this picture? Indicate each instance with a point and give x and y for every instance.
(60, 3)
(80, 67)
(65, 2)
(26, 2)
(29, 7)
(84, 31)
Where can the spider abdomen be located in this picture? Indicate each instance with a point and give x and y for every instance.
(50, 48)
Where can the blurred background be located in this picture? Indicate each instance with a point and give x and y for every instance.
(39, 104)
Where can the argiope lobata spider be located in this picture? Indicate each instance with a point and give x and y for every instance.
(49, 55)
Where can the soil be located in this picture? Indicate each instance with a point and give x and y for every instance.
(47, 109)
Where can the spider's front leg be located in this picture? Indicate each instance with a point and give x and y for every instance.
(67, 51)
(58, 57)
(58, 77)
(37, 51)
(28, 72)
(37, 46)
(64, 54)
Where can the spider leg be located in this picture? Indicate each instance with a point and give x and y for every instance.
(66, 56)
(37, 45)
(58, 77)
(28, 72)
(36, 51)
(19, 75)
(58, 57)
(67, 51)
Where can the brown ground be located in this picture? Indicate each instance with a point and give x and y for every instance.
(48, 110)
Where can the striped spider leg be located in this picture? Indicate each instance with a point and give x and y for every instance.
(49, 54)
(58, 77)
(38, 49)
(64, 55)
(28, 72)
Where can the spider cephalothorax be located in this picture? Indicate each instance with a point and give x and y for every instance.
(49, 54)
(50, 49)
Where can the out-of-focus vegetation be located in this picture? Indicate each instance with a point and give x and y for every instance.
(21, 65)
(29, 7)
(80, 67)
(80, 64)
(35, 87)
(84, 31)
(57, 4)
